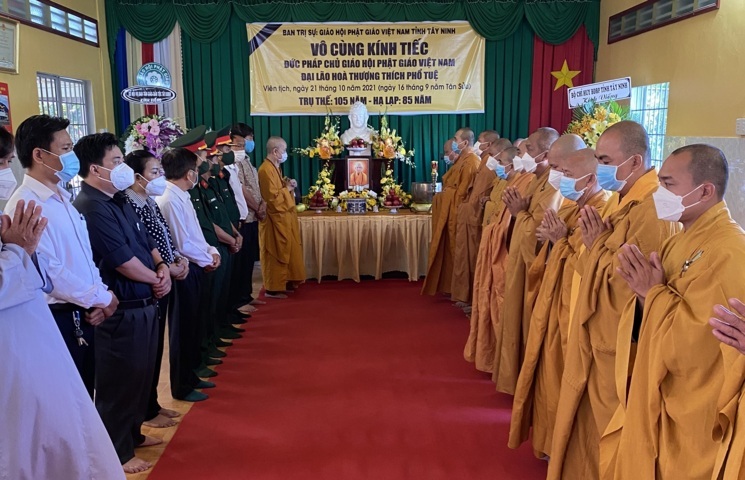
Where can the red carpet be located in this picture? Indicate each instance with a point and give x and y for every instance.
(348, 381)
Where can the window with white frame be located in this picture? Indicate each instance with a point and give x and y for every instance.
(649, 108)
(52, 17)
(68, 98)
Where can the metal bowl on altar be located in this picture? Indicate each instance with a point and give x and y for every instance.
(421, 192)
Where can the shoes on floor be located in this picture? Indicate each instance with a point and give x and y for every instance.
(278, 295)
(205, 372)
(212, 361)
(195, 396)
(246, 309)
(214, 352)
(222, 343)
(205, 384)
(225, 333)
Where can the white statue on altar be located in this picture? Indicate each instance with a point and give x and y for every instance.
(358, 125)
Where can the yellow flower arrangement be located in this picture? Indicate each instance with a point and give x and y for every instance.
(591, 120)
(387, 144)
(328, 145)
(370, 196)
(388, 184)
(323, 183)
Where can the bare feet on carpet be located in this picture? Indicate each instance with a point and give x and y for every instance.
(149, 442)
(160, 421)
(257, 302)
(246, 309)
(136, 465)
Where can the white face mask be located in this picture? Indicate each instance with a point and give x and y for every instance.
(554, 178)
(491, 163)
(670, 206)
(239, 155)
(156, 186)
(517, 164)
(122, 176)
(530, 163)
(477, 148)
(8, 183)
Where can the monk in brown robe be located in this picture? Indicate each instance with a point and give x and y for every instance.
(470, 216)
(279, 233)
(588, 398)
(455, 185)
(491, 262)
(544, 153)
(537, 392)
(663, 426)
(729, 327)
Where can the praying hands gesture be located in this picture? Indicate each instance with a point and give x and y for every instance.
(591, 225)
(641, 274)
(26, 227)
(552, 227)
(514, 201)
(729, 326)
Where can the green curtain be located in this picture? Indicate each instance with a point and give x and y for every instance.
(217, 95)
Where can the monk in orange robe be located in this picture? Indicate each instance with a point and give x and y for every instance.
(545, 151)
(588, 398)
(729, 431)
(469, 218)
(489, 277)
(455, 185)
(663, 426)
(358, 178)
(279, 233)
(538, 385)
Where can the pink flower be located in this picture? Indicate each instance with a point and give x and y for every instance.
(153, 123)
(155, 130)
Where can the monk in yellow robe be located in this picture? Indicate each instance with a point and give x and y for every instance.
(729, 431)
(279, 233)
(491, 262)
(528, 213)
(469, 218)
(358, 178)
(588, 398)
(663, 426)
(455, 185)
(538, 385)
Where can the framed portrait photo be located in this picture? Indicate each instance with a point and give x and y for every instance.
(8, 45)
(358, 173)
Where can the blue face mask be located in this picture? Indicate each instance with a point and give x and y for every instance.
(70, 165)
(455, 147)
(568, 188)
(446, 159)
(607, 177)
(249, 147)
(501, 172)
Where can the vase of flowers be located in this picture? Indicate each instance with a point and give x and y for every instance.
(387, 144)
(591, 119)
(392, 192)
(152, 133)
(326, 146)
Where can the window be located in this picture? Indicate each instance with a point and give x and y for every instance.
(649, 107)
(653, 14)
(68, 98)
(54, 18)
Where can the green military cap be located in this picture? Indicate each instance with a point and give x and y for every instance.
(223, 137)
(192, 140)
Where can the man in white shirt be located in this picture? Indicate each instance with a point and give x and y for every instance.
(180, 166)
(80, 300)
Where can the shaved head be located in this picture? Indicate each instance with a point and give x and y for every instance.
(633, 140)
(448, 147)
(490, 136)
(275, 142)
(501, 145)
(562, 148)
(580, 163)
(505, 158)
(706, 164)
(544, 137)
(465, 134)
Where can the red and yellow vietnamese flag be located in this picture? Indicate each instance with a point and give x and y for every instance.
(556, 68)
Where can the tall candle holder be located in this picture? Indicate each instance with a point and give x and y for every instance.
(434, 165)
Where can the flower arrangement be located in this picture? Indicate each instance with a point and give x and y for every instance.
(591, 120)
(369, 195)
(386, 144)
(389, 185)
(323, 183)
(328, 144)
(152, 133)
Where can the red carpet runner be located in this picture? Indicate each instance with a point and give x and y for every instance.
(348, 381)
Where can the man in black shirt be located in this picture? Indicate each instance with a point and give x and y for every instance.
(129, 262)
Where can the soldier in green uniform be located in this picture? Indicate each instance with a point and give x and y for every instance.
(218, 196)
(193, 141)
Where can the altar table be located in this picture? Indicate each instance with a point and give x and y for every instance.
(349, 246)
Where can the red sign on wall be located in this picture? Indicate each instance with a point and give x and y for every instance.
(5, 120)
